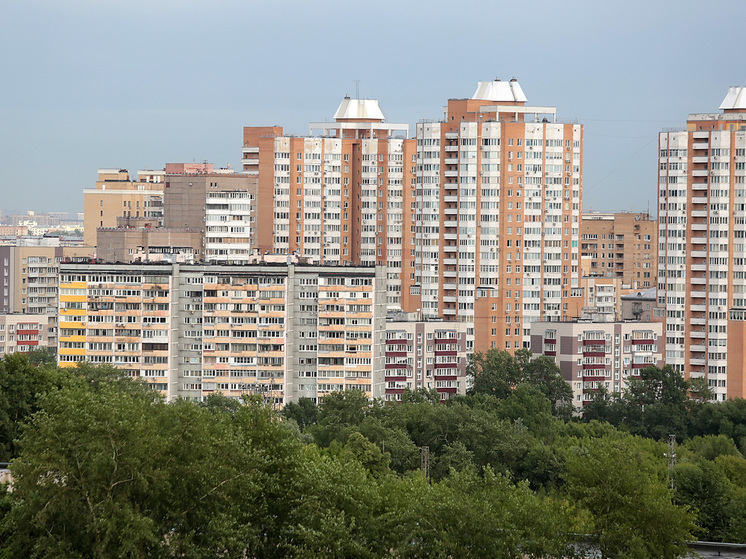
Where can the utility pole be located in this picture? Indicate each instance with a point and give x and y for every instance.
(425, 462)
(671, 457)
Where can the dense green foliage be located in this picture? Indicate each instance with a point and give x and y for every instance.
(103, 467)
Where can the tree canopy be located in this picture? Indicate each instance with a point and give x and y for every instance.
(104, 467)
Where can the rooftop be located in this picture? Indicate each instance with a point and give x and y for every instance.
(358, 109)
(502, 92)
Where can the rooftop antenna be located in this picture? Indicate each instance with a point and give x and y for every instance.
(357, 89)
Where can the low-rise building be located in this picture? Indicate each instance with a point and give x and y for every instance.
(21, 333)
(424, 354)
(595, 355)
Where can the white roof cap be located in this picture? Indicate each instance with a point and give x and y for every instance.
(500, 91)
(735, 99)
(359, 109)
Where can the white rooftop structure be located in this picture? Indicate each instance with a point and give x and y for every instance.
(502, 92)
(735, 99)
(358, 109)
(359, 116)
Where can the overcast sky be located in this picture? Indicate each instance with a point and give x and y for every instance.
(89, 84)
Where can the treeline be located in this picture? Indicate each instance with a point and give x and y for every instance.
(103, 467)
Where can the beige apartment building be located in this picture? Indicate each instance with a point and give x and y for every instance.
(280, 331)
(29, 275)
(116, 195)
(702, 261)
(601, 298)
(620, 244)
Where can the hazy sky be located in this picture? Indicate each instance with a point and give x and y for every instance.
(89, 84)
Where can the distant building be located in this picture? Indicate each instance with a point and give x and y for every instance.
(601, 298)
(429, 354)
(620, 244)
(13, 230)
(220, 204)
(142, 240)
(29, 275)
(641, 306)
(594, 355)
(117, 195)
(283, 332)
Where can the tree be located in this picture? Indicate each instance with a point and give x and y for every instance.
(42, 356)
(543, 374)
(339, 414)
(498, 373)
(495, 372)
(304, 412)
(472, 516)
(623, 488)
(21, 385)
(704, 487)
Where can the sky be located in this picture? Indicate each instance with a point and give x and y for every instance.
(135, 84)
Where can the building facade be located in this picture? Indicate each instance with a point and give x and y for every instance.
(593, 355)
(283, 332)
(620, 244)
(30, 275)
(701, 273)
(117, 195)
(425, 355)
(497, 215)
(221, 204)
(21, 333)
(476, 219)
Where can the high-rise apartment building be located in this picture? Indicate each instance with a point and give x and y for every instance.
(340, 197)
(283, 332)
(622, 245)
(476, 219)
(702, 227)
